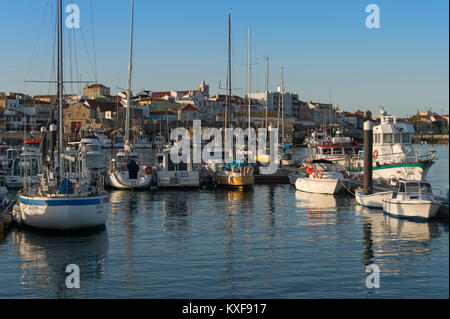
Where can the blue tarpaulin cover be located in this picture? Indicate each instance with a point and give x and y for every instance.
(65, 186)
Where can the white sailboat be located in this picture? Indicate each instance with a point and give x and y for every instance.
(125, 171)
(58, 202)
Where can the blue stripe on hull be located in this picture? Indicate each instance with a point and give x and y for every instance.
(64, 202)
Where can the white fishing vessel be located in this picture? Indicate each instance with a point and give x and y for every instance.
(412, 199)
(58, 202)
(394, 156)
(321, 182)
(336, 149)
(125, 171)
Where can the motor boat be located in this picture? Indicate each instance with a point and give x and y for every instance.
(412, 199)
(321, 182)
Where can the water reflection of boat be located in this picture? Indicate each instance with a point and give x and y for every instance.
(384, 226)
(45, 257)
(320, 202)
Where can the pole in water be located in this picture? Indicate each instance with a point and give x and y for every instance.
(368, 145)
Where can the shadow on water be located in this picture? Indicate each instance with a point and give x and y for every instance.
(45, 257)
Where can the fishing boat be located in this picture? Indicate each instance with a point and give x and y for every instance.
(337, 149)
(394, 156)
(58, 202)
(321, 182)
(412, 199)
(172, 175)
(125, 171)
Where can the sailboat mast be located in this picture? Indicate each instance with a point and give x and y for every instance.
(249, 79)
(127, 113)
(282, 106)
(60, 93)
(229, 68)
(267, 89)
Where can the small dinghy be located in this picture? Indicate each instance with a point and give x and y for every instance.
(412, 199)
(373, 200)
(321, 182)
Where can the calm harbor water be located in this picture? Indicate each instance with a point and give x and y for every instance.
(268, 242)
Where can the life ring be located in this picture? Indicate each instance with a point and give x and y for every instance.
(148, 170)
(375, 154)
(318, 173)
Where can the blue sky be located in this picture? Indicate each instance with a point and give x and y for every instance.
(324, 46)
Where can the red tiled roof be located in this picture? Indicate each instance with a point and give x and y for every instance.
(189, 107)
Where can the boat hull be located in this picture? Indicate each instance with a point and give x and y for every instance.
(319, 186)
(410, 170)
(180, 179)
(121, 180)
(63, 213)
(235, 181)
(374, 200)
(413, 209)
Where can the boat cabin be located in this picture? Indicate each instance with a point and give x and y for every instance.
(413, 187)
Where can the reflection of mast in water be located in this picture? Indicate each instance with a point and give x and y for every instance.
(367, 253)
(45, 257)
(240, 203)
(129, 209)
(177, 208)
(269, 218)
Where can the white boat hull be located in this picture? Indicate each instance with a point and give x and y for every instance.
(177, 179)
(319, 186)
(63, 213)
(415, 209)
(121, 180)
(374, 200)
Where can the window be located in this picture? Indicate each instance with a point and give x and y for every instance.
(401, 187)
(425, 188)
(406, 138)
(326, 151)
(337, 151)
(69, 115)
(387, 138)
(412, 187)
(84, 115)
(397, 138)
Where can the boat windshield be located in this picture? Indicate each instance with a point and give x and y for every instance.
(425, 188)
(27, 167)
(412, 187)
(92, 148)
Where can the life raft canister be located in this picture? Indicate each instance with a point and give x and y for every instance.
(148, 170)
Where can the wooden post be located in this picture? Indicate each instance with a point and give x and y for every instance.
(368, 145)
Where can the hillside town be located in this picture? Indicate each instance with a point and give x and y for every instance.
(154, 112)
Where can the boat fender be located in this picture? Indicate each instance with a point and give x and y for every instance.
(247, 170)
(318, 173)
(375, 154)
(148, 170)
